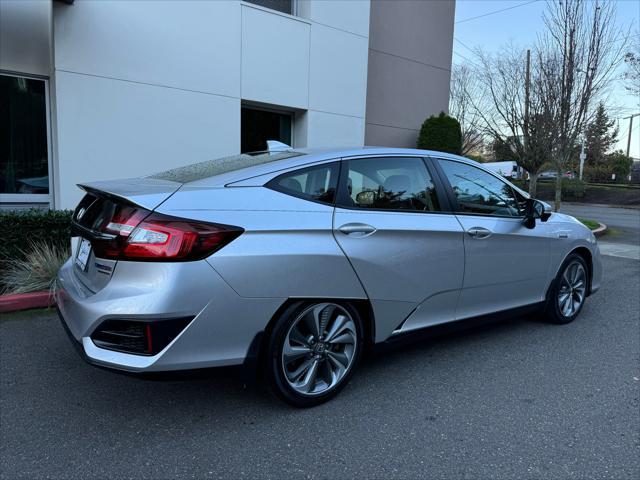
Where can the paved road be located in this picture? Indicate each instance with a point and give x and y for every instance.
(518, 399)
(624, 223)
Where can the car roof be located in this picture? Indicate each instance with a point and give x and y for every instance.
(311, 156)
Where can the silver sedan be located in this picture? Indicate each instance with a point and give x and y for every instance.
(297, 261)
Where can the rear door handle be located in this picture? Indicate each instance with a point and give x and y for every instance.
(357, 229)
(479, 232)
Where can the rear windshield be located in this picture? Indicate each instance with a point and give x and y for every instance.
(211, 168)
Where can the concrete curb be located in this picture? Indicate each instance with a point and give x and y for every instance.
(25, 301)
(600, 231)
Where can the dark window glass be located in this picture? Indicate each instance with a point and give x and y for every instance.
(391, 184)
(284, 6)
(313, 183)
(258, 126)
(23, 136)
(480, 192)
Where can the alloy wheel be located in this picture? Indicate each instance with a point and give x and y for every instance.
(573, 286)
(319, 349)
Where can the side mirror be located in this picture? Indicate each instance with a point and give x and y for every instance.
(535, 209)
(366, 198)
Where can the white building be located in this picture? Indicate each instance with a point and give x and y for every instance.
(105, 89)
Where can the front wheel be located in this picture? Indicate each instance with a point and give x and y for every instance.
(569, 291)
(313, 350)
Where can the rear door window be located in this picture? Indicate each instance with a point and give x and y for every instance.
(390, 183)
(317, 183)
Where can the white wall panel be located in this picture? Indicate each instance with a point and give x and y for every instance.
(113, 129)
(25, 36)
(193, 45)
(275, 58)
(330, 130)
(349, 15)
(338, 71)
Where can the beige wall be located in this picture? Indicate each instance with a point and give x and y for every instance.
(410, 47)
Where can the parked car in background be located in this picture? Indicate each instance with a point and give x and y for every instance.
(550, 174)
(299, 260)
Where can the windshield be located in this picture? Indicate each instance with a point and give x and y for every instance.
(211, 168)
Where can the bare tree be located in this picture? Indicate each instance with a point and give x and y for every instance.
(520, 120)
(464, 87)
(579, 52)
(632, 74)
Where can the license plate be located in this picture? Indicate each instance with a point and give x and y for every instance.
(84, 250)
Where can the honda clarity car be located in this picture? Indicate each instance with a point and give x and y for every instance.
(298, 261)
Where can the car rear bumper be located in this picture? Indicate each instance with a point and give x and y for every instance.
(221, 333)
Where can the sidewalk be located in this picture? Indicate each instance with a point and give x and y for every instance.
(620, 250)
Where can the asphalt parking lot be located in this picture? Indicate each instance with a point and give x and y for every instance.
(512, 400)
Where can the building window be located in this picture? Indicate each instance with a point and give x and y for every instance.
(284, 6)
(24, 152)
(258, 126)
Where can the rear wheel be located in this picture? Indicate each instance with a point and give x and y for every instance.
(313, 351)
(569, 291)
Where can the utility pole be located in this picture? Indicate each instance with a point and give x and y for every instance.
(630, 128)
(525, 133)
(527, 81)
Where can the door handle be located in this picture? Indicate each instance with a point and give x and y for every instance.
(479, 232)
(357, 229)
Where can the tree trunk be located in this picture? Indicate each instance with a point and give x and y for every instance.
(558, 198)
(533, 184)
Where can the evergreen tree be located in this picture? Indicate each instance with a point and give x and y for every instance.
(601, 136)
(441, 133)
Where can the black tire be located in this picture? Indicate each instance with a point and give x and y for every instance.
(553, 312)
(275, 363)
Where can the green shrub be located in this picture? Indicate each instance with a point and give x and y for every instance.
(573, 188)
(19, 229)
(599, 173)
(37, 271)
(441, 133)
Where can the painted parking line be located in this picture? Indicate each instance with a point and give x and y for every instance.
(620, 250)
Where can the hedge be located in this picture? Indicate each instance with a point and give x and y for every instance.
(19, 228)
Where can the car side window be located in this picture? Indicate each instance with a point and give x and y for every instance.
(400, 183)
(479, 192)
(316, 183)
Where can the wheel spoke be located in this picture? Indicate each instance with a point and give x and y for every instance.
(346, 337)
(291, 353)
(565, 306)
(312, 321)
(339, 357)
(296, 337)
(338, 325)
(298, 372)
(325, 317)
(310, 378)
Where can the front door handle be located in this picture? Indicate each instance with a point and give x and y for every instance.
(357, 229)
(479, 232)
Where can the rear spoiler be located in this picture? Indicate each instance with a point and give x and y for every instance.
(148, 193)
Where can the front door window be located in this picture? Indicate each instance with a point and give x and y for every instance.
(479, 192)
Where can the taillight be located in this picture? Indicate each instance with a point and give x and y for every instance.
(144, 236)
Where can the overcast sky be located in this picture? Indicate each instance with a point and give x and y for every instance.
(519, 21)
